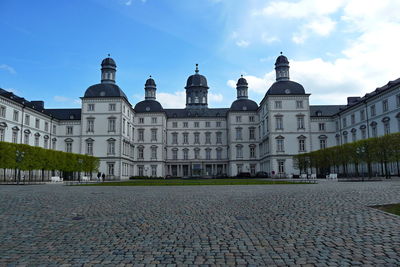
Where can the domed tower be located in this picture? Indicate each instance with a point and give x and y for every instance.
(150, 89)
(196, 90)
(242, 87)
(282, 68)
(108, 70)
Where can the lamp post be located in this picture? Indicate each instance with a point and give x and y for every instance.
(79, 172)
(19, 156)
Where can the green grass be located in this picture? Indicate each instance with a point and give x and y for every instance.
(391, 208)
(192, 182)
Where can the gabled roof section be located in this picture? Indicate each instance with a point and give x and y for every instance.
(65, 113)
(325, 110)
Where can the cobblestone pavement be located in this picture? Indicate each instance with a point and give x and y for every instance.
(325, 224)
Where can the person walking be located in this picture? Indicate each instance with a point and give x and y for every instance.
(103, 176)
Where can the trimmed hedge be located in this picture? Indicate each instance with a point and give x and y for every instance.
(381, 150)
(37, 158)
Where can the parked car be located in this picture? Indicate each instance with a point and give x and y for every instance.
(262, 175)
(243, 175)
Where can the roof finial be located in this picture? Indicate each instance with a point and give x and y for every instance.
(281, 52)
(108, 55)
(150, 76)
(197, 68)
(241, 75)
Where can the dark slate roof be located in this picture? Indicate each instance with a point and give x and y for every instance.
(286, 88)
(65, 114)
(242, 82)
(150, 82)
(108, 62)
(203, 112)
(196, 80)
(35, 105)
(281, 60)
(104, 90)
(325, 110)
(148, 106)
(244, 105)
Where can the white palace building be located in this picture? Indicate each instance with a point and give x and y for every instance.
(149, 140)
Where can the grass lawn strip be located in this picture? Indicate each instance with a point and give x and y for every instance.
(192, 182)
(391, 208)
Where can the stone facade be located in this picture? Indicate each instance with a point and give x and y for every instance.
(148, 140)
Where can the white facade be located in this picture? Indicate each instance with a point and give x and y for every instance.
(147, 140)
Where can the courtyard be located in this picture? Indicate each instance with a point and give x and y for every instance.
(323, 224)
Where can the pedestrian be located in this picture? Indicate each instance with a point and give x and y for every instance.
(103, 176)
(98, 176)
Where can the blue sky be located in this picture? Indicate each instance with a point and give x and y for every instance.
(51, 50)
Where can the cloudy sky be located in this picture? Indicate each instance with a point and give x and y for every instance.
(51, 50)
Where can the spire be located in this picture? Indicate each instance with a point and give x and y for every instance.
(242, 88)
(150, 89)
(108, 70)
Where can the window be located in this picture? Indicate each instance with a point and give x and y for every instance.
(153, 134)
(90, 107)
(300, 122)
(321, 126)
(218, 124)
(337, 137)
(2, 111)
(239, 168)
(174, 124)
(196, 124)
(219, 137)
(279, 123)
(280, 145)
(353, 136)
(111, 125)
(14, 137)
(353, 119)
(2, 134)
(89, 148)
(140, 170)
(238, 119)
(111, 147)
(196, 153)
(154, 120)
(141, 135)
(208, 153)
(196, 138)
(154, 170)
(68, 147)
(54, 143)
(362, 115)
(386, 127)
(70, 130)
(373, 111)
(111, 107)
(141, 120)
(208, 124)
(299, 104)
(322, 143)
(174, 138)
(239, 151)
(185, 124)
(90, 125)
(345, 138)
(281, 166)
(45, 143)
(374, 130)
(252, 151)
(46, 126)
(252, 131)
(252, 169)
(110, 168)
(54, 129)
(208, 138)
(27, 119)
(123, 125)
(385, 105)
(153, 152)
(175, 154)
(251, 118)
(238, 133)
(15, 115)
(26, 139)
(140, 152)
(185, 154)
(219, 153)
(363, 133)
(344, 121)
(398, 100)
(337, 125)
(302, 145)
(185, 138)
(278, 104)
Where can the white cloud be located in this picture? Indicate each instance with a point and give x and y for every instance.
(242, 43)
(128, 3)
(8, 68)
(268, 39)
(63, 99)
